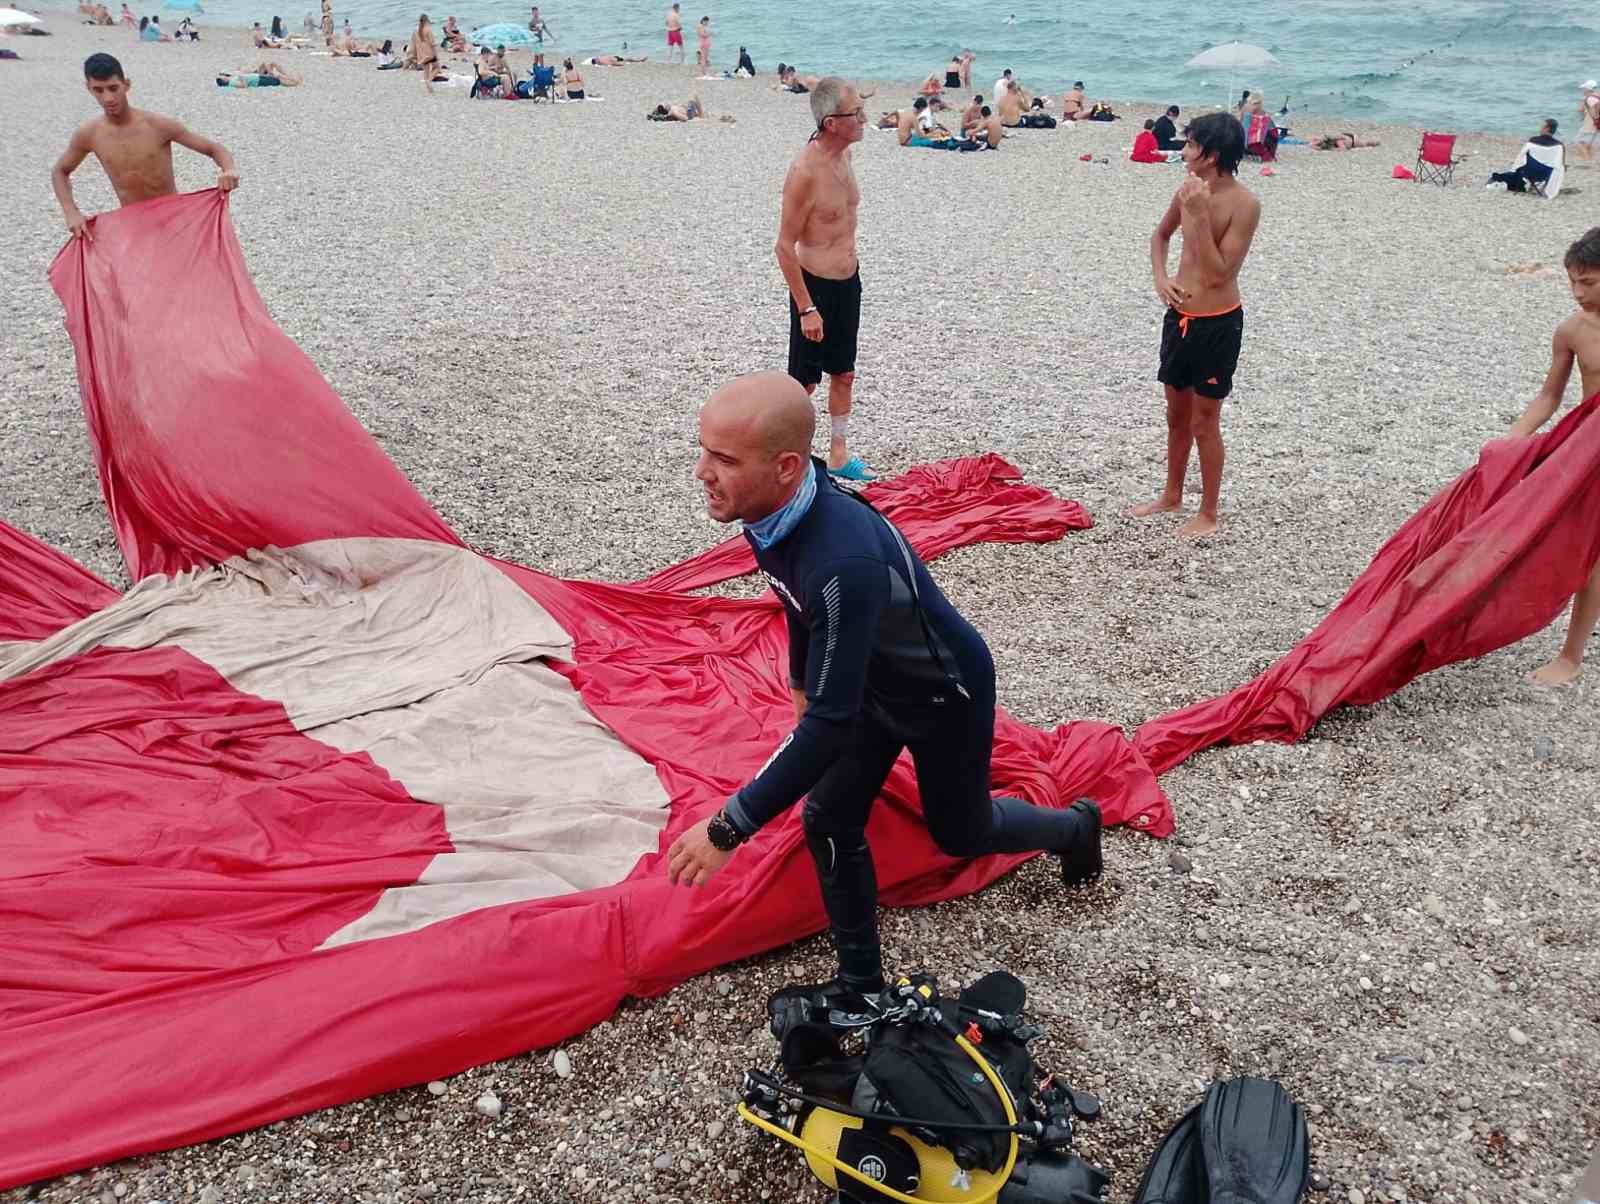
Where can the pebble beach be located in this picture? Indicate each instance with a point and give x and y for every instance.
(525, 304)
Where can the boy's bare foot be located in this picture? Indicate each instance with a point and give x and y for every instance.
(1199, 527)
(1558, 672)
(1161, 505)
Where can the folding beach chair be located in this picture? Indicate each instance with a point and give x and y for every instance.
(541, 83)
(1436, 161)
(1546, 184)
(1261, 138)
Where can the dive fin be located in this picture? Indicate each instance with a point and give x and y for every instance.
(1253, 1143)
(1175, 1174)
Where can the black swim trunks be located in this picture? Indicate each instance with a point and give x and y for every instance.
(838, 304)
(952, 79)
(1201, 353)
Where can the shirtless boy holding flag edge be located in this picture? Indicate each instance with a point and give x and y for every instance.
(133, 145)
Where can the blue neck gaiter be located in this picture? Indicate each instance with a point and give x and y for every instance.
(768, 531)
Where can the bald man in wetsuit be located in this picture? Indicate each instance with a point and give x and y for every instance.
(879, 661)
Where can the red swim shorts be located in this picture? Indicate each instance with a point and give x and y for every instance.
(674, 37)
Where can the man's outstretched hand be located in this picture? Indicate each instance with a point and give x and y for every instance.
(692, 859)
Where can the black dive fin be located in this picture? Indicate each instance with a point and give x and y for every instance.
(1253, 1143)
(1175, 1174)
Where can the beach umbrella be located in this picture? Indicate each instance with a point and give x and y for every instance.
(502, 33)
(187, 6)
(11, 17)
(1233, 57)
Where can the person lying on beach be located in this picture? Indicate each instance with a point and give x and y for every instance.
(262, 75)
(612, 60)
(1074, 105)
(98, 14)
(689, 110)
(346, 46)
(1342, 141)
(134, 147)
(1577, 340)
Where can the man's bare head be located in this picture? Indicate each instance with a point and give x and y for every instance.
(755, 443)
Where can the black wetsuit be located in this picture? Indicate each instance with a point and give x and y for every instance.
(887, 663)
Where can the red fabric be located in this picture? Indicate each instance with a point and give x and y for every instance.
(175, 851)
(1437, 149)
(181, 850)
(186, 384)
(1146, 149)
(1491, 559)
(41, 591)
(953, 502)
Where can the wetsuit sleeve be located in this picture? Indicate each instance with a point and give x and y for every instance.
(799, 647)
(847, 599)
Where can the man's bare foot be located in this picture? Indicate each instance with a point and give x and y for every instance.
(1162, 505)
(1558, 672)
(1199, 527)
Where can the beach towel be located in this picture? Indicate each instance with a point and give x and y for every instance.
(332, 794)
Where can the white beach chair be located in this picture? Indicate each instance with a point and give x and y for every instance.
(1553, 157)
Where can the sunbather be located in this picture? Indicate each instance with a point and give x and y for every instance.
(1074, 105)
(690, 110)
(452, 37)
(612, 60)
(1342, 141)
(263, 75)
(971, 115)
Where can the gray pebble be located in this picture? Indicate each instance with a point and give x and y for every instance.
(1320, 1181)
(562, 1064)
(210, 1195)
(488, 1104)
(715, 1129)
(1518, 1037)
(663, 1162)
(437, 1088)
(1356, 1196)
(1179, 862)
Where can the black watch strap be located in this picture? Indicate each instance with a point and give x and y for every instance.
(724, 837)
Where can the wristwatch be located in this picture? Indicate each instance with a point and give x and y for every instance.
(810, 309)
(724, 837)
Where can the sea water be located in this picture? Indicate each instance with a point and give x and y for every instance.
(1441, 64)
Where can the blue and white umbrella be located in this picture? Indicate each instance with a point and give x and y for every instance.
(187, 6)
(502, 33)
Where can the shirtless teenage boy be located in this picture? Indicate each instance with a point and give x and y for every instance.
(1204, 326)
(1576, 340)
(133, 146)
(816, 251)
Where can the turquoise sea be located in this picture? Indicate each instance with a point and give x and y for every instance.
(1448, 64)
